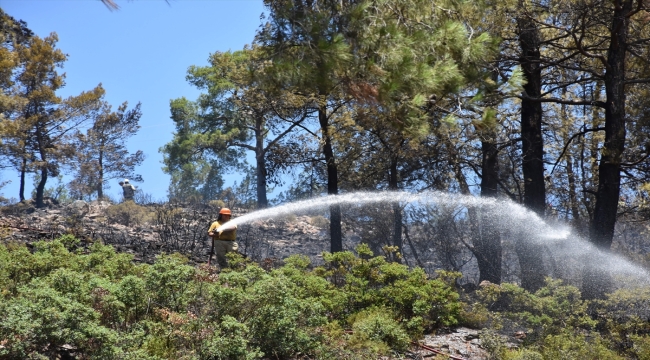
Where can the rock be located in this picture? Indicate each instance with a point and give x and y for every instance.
(78, 208)
(463, 342)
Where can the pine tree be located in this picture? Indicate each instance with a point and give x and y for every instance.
(239, 112)
(38, 133)
(102, 154)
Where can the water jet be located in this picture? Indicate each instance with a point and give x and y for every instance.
(568, 249)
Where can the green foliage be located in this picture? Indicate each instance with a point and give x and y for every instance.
(568, 345)
(356, 306)
(377, 329)
(169, 280)
(282, 323)
(549, 310)
(420, 303)
(131, 291)
(35, 120)
(103, 305)
(624, 315)
(69, 241)
(641, 347)
(58, 192)
(493, 343)
(230, 341)
(524, 354)
(101, 151)
(41, 320)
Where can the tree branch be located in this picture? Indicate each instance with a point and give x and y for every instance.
(566, 146)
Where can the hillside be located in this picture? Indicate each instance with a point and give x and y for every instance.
(495, 322)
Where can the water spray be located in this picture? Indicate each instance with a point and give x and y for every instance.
(505, 214)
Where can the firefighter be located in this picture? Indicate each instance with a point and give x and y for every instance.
(128, 190)
(223, 241)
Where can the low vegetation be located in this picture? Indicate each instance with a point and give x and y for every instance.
(95, 303)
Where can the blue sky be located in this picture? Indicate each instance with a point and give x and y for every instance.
(139, 53)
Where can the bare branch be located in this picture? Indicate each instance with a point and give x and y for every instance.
(566, 146)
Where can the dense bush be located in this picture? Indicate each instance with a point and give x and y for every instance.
(58, 299)
(560, 325)
(99, 304)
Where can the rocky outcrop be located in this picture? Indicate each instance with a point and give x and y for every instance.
(184, 231)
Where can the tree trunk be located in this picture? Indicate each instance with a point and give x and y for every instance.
(23, 170)
(100, 181)
(487, 266)
(262, 200)
(530, 254)
(40, 189)
(487, 245)
(397, 208)
(336, 233)
(596, 283)
(609, 170)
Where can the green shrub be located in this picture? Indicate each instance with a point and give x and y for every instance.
(230, 340)
(523, 354)
(376, 329)
(40, 320)
(102, 305)
(550, 310)
(131, 291)
(16, 268)
(641, 346)
(421, 303)
(477, 316)
(624, 315)
(282, 324)
(570, 346)
(493, 343)
(169, 281)
(70, 242)
(102, 260)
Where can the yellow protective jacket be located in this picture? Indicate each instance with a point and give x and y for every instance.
(226, 235)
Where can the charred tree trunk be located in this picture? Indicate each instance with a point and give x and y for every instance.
(397, 208)
(40, 189)
(530, 254)
(596, 283)
(487, 245)
(609, 170)
(23, 171)
(489, 267)
(262, 200)
(336, 233)
(100, 181)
